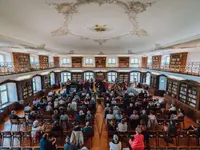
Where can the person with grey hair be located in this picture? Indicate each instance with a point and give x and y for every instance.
(69, 145)
(115, 144)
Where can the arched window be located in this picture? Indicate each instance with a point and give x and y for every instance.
(65, 76)
(37, 86)
(52, 78)
(148, 78)
(88, 75)
(134, 77)
(112, 76)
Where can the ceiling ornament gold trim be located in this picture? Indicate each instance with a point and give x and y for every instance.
(132, 9)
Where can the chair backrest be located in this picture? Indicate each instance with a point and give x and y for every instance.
(4, 148)
(14, 121)
(27, 148)
(15, 148)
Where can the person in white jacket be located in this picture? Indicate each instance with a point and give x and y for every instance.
(77, 136)
(115, 144)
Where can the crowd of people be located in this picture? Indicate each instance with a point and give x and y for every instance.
(74, 106)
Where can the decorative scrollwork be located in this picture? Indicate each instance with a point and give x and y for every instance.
(132, 8)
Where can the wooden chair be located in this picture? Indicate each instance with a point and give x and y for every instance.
(58, 135)
(153, 135)
(15, 148)
(27, 148)
(4, 148)
(192, 135)
(182, 135)
(6, 135)
(160, 135)
(14, 122)
(26, 135)
(22, 123)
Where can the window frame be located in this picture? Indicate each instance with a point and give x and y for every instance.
(3, 56)
(134, 63)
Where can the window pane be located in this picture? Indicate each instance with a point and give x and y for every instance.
(64, 60)
(1, 58)
(86, 61)
(4, 97)
(68, 61)
(2, 87)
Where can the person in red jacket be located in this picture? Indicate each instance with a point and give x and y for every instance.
(107, 84)
(138, 142)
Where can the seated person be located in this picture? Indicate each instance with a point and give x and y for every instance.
(134, 119)
(115, 109)
(118, 116)
(55, 116)
(88, 116)
(192, 128)
(80, 116)
(138, 140)
(13, 115)
(181, 113)
(77, 135)
(172, 108)
(130, 109)
(92, 101)
(56, 103)
(113, 101)
(173, 117)
(74, 105)
(32, 115)
(122, 126)
(62, 102)
(69, 145)
(35, 107)
(109, 116)
(152, 122)
(107, 108)
(64, 120)
(115, 144)
(49, 107)
(144, 116)
(56, 127)
(35, 102)
(87, 130)
(27, 107)
(172, 129)
(111, 125)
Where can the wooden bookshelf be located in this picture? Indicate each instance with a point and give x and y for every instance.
(77, 76)
(154, 81)
(21, 62)
(178, 62)
(56, 61)
(25, 90)
(123, 62)
(44, 62)
(46, 81)
(123, 76)
(76, 62)
(173, 86)
(156, 62)
(100, 62)
(101, 76)
(144, 62)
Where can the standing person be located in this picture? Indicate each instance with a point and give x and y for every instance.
(68, 86)
(115, 144)
(138, 142)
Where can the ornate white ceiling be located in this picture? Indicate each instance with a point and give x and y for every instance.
(66, 25)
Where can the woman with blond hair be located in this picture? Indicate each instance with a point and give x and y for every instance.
(138, 140)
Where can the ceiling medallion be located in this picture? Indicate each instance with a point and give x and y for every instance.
(100, 28)
(132, 9)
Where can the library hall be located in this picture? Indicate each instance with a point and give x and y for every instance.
(99, 74)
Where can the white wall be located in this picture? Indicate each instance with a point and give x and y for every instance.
(193, 56)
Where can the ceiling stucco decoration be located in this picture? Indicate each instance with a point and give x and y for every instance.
(132, 9)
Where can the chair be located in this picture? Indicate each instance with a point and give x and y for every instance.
(58, 135)
(153, 135)
(22, 123)
(4, 148)
(192, 135)
(26, 135)
(16, 135)
(181, 136)
(15, 148)
(27, 148)
(160, 135)
(14, 122)
(6, 135)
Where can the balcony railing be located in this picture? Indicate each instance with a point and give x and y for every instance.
(7, 68)
(191, 68)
